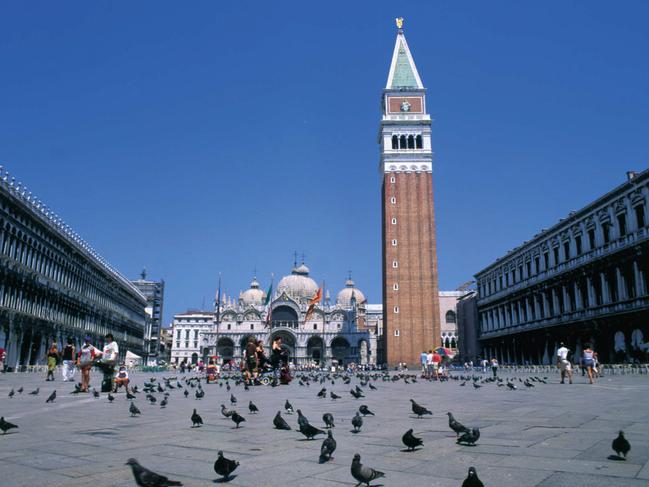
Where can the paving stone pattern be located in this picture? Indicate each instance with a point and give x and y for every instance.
(551, 435)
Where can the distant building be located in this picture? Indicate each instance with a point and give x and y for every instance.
(448, 304)
(166, 340)
(467, 323)
(582, 281)
(154, 293)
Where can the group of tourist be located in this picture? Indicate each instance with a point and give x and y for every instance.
(255, 362)
(588, 363)
(84, 359)
(432, 364)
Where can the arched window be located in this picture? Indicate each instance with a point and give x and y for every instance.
(447, 343)
(402, 142)
(420, 145)
(453, 343)
(450, 317)
(395, 142)
(411, 142)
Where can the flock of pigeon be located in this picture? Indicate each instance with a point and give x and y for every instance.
(363, 474)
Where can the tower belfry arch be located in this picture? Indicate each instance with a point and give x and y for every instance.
(410, 280)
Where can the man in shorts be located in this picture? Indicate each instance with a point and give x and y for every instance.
(564, 364)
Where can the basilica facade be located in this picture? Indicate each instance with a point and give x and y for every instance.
(341, 331)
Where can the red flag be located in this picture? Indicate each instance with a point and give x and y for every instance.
(314, 300)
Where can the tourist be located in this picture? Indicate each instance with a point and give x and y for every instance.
(494, 367)
(563, 363)
(423, 357)
(67, 358)
(85, 359)
(437, 360)
(278, 354)
(211, 371)
(429, 363)
(108, 360)
(52, 361)
(484, 365)
(121, 378)
(2, 359)
(251, 358)
(261, 356)
(588, 356)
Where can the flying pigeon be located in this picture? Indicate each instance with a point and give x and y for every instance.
(472, 479)
(621, 445)
(51, 397)
(419, 410)
(6, 425)
(146, 478)
(357, 422)
(280, 423)
(470, 437)
(364, 410)
(327, 448)
(224, 467)
(20, 391)
(328, 420)
(197, 421)
(411, 441)
(364, 474)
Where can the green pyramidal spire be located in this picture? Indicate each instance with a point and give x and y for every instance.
(403, 72)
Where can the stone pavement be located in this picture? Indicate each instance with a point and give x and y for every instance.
(551, 435)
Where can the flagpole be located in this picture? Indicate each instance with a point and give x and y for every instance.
(218, 316)
(324, 344)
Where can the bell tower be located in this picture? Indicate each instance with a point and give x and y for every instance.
(411, 321)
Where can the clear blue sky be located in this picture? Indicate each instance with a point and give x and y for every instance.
(202, 137)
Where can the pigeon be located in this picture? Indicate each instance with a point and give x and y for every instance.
(6, 425)
(328, 420)
(356, 394)
(364, 410)
(288, 407)
(280, 423)
(476, 385)
(186, 393)
(51, 397)
(470, 437)
(301, 419)
(225, 412)
(252, 408)
(197, 421)
(35, 393)
(224, 467)
(411, 441)
(110, 397)
(327, 448)
(323, 392)
(95, 393)
(129, 395)
(20, 391)
(456, 425)
(233, 400)
(511, 386)
(152, 399)
(357, 422)
(237, 418)
(472, 479)
(621, 445)
(200, 394)
(334, 396)
(310, 431)
(133, 409)
(419, 410)
(364, 474)
(373, 388)
(146, 478)
(163, 403)
(11, 393)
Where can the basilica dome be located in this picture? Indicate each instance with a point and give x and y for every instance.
(298, 285)
(254, 295)
(344, 297)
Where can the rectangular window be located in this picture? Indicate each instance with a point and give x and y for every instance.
(252, 326)
(229, 326)
(315, 326)
(621, 224)
(578, 244)
(394, 242)
(195, 334)
(393, 200)
(392, 180)
(566, 250)
(177, 344)
(195, 344)
(394, 221)
(606, 232)
(396, 309)
(520, 272)
(186, 344)
(591, 238)
(546, 261)
(555, 254)
(528, 268)
(395, 286)
(395, 264)
(396, 333)
(500, 281)
(537, 264)
(186, 334)
(639, 215)
(178, 334)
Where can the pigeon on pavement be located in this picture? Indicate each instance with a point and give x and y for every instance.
(146, 478)
(280, 423)
(364, 410)
(252, 408)
(35, 393)
(11, 393)
(455, 425)
(419, 410)
(301, 419)
(197, 421)
(621, 445)
(470, 437)
(472, 479)
(134, 410)
(226, 412)
(357, 422)
(328, 420)
(364, 474)
(224, 467)
(6, 425)
(51, 397)
(411, 441)
(310, 431)
(288, 407)
(237, 418)
(327, 448)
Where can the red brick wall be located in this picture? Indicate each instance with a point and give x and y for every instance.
(417, 298)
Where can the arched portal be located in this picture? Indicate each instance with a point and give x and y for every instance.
(194, 358)
(288, 342)
(315, 349)
(340, 350)
(284, 316)
(225, 349)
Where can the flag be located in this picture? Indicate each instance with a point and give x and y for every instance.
(269, 293)
(312, 303)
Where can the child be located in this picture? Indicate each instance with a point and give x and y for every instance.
(121, 378)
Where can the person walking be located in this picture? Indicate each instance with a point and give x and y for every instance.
(109, 356)
(494, 367)
(2, 359)
(67, 358)
(429, 364)
(251, 359)
(85, 359)
(588, 356)
(563, 363)
(52, 361)
(423, 357)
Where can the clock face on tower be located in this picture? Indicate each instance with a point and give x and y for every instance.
(405, 106)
